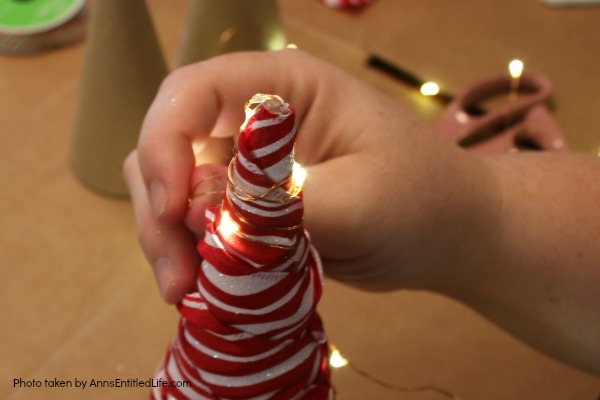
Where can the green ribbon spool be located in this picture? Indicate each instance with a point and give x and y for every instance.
(30, 26)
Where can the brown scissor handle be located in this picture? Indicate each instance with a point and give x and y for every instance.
(524, 121)
(536, 131)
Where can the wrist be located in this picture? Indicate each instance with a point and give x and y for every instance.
(460, 221)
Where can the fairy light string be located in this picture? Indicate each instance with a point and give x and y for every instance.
(232, 223)
(281, 192)
(249, 327)
(337, 361)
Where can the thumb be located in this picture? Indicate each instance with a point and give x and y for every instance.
(337, 211)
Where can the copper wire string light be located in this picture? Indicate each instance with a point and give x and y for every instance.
(207, 193)
(288, 188)
(336, 360)
(293, 190)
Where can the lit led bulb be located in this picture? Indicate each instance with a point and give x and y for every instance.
(297, 180)
(515, 68)
(276, 41)
(430, 89)
(336, 360)
(227, 225)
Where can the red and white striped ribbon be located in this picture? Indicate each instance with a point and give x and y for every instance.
(250, 330)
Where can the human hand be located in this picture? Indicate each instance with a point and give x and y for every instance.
(380, 184)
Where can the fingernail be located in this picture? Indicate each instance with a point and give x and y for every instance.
(158, 197)
(164, 271)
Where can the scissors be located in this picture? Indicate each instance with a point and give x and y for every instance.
(522, 122)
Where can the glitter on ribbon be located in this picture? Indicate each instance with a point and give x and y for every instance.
(250, 329)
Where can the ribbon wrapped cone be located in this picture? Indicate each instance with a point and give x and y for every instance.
(250, 330)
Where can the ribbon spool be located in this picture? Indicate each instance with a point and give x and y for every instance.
(33, 26)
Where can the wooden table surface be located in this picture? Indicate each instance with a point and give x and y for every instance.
(80, 302)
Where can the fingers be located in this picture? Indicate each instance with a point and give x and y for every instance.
(170, 248)
(207, 99)
(194, 103)
(334, 114)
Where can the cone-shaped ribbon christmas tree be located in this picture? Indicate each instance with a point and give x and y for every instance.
(250, 330)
